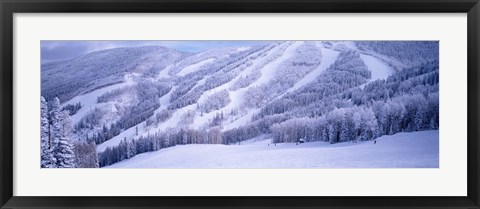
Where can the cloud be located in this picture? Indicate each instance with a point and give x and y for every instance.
(62, 50)
(52, 51)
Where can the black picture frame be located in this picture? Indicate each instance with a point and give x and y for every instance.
(9, 7)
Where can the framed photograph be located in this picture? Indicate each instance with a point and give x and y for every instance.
(265, 104)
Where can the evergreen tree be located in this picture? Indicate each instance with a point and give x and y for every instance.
(55, 132)
(348, 127)
(61, 128)
(332, 134)
(420, 119)
(85, 155)
(131, 149)
(47, 158)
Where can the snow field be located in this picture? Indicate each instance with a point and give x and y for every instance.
(379, 69)
(402, 150)
(89, 100)
(194, 67)
(328, 58)
(237, 95)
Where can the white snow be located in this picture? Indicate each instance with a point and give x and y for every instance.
(379, 69)
(194, 67)
(328, 58)
(164, 101)
(269, 70)
(89, 100)
(142, 129)
(242, 120)
(350, 44)
(402, 150)
(91, 97)
(245, 48)
(164, 74)
(236, 96)
(397, 65)
(129, 133)
(267, 73)
(344, 45)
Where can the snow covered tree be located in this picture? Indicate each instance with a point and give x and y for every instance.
(86, 155)
(61, 129)
(370, 124)
(55, 122)
(334, 121)
(346, 133)
(215, 135)
(47, 159)
(332, 134)
(433, 101)
(131, 149)
(407, 52)
(420, 121)
(215, 101)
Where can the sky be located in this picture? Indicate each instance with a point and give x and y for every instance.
(63, 50)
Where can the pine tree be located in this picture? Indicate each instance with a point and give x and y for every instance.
(47, 159)
(131, 149)
(332, 134)
(55, 132)
(64, 154)
(371, 124)
(419, 120)
(97, 163)
(61, 128)
(346, 133)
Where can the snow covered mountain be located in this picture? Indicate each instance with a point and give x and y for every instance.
(130, 101)
(95, 70)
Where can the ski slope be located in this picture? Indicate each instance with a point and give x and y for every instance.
(328, 58)
(269, 70)
(402, 150)
(237, 96)
(89, 100)
(379, 69)
(91, 97)
(194, 67)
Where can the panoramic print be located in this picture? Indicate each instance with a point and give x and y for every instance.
(239, 104)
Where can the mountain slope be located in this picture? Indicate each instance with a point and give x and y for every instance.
(416, 150)
(152, 98)
(102, 68)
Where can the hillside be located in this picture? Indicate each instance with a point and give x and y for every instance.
(416, 150)
(99, 69)
(129, 101)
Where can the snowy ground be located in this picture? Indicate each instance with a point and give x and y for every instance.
(328, 58)
(379, 69)
(402, 150)
(89, 100)
(194, 67)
